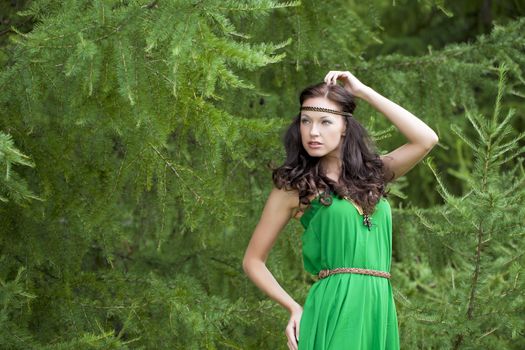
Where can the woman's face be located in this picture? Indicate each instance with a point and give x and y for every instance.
(321, 132)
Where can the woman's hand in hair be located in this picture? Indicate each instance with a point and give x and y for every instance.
(350, 82)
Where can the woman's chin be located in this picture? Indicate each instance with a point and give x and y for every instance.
(315, 153)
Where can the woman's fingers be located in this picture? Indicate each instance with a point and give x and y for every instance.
(297, 330)
(292, 328)
(290, 333)
(333, 75)
(337, 75)
(328, 78)
(292, 345)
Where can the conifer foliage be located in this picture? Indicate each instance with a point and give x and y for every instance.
(134, 143)
(468, 288)
(115, 104)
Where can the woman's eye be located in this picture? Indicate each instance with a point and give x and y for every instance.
(324, 122)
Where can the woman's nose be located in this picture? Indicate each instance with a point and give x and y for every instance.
(314, 130)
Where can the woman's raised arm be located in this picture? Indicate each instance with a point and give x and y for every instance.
(421, 138)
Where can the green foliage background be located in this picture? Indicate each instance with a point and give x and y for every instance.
(135, 138)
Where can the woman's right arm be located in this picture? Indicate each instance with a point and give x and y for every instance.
(276, 213)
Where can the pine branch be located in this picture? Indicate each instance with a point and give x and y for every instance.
(195, 194)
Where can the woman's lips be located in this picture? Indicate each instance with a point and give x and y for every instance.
(315, 144)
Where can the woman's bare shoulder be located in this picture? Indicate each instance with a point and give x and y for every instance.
(289, 198)
(292, 195)
(294, 202)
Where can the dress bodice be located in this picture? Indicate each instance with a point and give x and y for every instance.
(335, 236)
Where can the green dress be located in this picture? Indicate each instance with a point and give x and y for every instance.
(347, 310)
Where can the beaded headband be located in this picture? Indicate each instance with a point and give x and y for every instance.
(320, 109)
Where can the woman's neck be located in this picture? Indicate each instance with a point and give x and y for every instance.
(331, 167)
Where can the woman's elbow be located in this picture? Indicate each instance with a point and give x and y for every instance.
(248, 262)
(431, 142)
(434, 139)
(245, 266)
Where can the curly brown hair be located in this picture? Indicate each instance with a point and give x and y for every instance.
(363, 174)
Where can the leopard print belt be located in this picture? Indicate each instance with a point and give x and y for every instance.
(326, 273)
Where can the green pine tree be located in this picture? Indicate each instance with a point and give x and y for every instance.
(463, 290)
(134, 143)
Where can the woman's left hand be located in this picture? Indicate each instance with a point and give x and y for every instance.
(350, 82)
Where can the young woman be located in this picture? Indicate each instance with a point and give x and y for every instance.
(334, 181)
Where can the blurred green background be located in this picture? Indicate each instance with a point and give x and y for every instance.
(135, 139)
